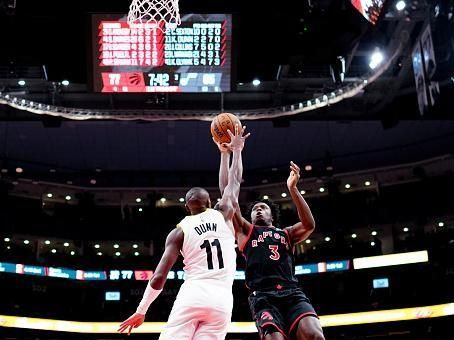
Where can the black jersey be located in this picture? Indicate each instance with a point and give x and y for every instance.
(269, 259)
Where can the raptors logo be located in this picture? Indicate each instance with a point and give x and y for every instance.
(266, 316)
(135, 78)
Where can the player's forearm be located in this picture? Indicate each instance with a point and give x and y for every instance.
(224, 171)
(304, 212)
(236, 173)
(149, 296)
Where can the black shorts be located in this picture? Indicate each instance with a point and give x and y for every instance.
(279, 310)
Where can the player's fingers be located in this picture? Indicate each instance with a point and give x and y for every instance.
(237, 129)
(130, 329)
(296, 166)
(246, 136)
(230, 134)
(243, 129)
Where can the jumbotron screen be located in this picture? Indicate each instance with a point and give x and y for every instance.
(370, 9)
(194, 57)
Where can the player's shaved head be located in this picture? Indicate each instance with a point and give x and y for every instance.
(197, 200)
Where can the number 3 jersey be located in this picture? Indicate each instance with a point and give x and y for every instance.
(269, 259)
(208, 248)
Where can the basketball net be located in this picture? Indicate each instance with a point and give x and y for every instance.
(162, 13)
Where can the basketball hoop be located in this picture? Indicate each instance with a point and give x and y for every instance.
(162, 13)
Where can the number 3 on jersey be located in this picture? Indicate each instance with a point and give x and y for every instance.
(274, 250)
(207, 246)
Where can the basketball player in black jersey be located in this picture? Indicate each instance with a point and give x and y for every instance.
(279, 307)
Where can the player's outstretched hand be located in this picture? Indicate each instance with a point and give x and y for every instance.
(237, 140)
(294, 176)
(133, 321)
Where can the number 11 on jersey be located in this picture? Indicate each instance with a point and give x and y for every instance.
(206, 244)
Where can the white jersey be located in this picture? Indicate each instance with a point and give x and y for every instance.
(208, 247)
(203, 307)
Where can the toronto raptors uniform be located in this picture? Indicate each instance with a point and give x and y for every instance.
(203, 307)
(276, 300)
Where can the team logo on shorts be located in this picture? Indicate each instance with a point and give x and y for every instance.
(266, 316)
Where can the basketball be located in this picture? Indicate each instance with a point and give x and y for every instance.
(221, 123)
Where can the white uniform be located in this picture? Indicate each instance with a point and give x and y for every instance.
(203, 307)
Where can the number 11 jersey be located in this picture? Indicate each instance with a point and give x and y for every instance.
(208, 248)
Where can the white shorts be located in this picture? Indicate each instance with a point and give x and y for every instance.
(192, 319)
(196, 323)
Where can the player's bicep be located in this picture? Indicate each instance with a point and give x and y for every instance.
(172, 249)
(298, 232)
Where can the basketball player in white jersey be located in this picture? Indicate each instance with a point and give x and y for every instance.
(206, 239)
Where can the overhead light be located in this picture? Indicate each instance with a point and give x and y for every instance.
(374, 233)
(21, 82)
(405, 230)
(117, 253)
(327, 238)
(140, 209)
(308, 241)
(116, 246)
(136, 253)
(354, 235)
(54, 251)
(303, 192)
(19, 170)
(65, 82)
(367, 183)
(26, 241)
(372, 243)
(93, 181)
(50, 195)
(441, 224)
(7, 239)
(68, 198)
(135, 246)
(284, 195)
(73, 253)
(265, 197)
(376, 59)
(4, 171)
(218, 200)
(97, 246)
(52, 170)
(47, 242)
(8, 247)
(99, 253)
(321, 189)
(347, 186)
(400, 5)
(308, 167)
(138, 200)
(163, 200)
(66, 244)
(69, 182)
(256, 82)
(181, 199)
(329, 168)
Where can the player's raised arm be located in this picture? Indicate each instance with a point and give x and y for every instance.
(224, 165)
(229, 200)
(301, 230)
(172, 249)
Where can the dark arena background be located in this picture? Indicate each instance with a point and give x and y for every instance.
(103, 129)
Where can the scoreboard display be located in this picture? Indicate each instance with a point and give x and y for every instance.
(194, 57)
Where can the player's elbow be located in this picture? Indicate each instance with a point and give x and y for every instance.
(309, 226)
(158, 280)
